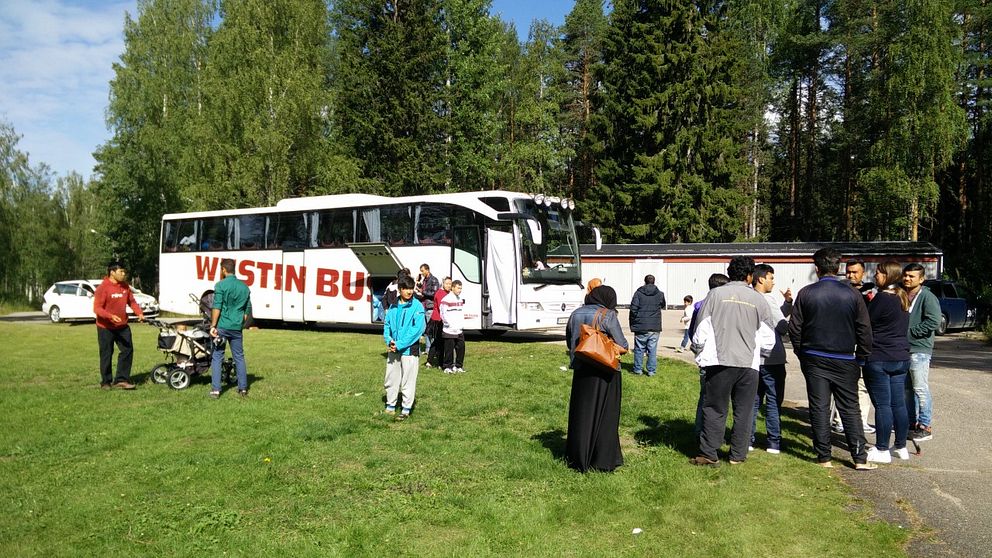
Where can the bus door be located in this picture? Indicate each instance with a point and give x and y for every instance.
(382, 266)
(467, 267)
(294, 274)
(501, 278)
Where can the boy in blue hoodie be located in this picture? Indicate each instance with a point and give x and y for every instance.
(403, 327)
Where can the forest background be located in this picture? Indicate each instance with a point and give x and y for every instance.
(666, 120)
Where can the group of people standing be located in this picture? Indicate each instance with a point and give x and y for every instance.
(426, 308)
(839, 331)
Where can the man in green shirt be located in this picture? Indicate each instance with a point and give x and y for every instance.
(230, 311)
(924, 319)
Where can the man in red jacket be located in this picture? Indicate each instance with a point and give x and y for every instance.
(113, 296)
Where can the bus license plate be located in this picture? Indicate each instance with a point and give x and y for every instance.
(562, 321)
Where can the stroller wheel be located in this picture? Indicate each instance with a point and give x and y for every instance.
(160, 374)
(179, 379)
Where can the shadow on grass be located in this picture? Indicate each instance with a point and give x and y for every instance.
(678, 434)
(553, 441)
(201, 378)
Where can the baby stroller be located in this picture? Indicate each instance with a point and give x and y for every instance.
(188, 350)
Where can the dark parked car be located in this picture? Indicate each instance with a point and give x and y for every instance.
(958, 306)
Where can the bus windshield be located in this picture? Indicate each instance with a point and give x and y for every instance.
(556, 259)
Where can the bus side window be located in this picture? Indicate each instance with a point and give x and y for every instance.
(369, 226)
(397, 225)
(334, 228)
(433, 224)
(251, 231)
(215, 234)
(170, 236)
(287, 231)
(187, 235)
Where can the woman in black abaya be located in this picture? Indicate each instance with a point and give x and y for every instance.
(593, 440)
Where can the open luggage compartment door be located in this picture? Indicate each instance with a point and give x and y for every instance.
(381, 264)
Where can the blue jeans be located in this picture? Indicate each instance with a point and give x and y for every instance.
(771, 388)
(886, 381)
(233, 337)
(920, 404)
(685, 339)
(646, 342)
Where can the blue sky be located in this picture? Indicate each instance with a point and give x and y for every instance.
(56, 61)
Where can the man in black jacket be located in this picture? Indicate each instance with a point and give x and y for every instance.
(830, 332)
(645, 323)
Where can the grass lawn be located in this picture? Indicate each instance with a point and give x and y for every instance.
(309, 466)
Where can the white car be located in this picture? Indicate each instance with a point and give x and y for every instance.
(73, 300)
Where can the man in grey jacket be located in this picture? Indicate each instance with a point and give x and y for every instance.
(734, 326)
(771, 374)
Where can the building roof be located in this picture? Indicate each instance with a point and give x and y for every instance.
(730, 249)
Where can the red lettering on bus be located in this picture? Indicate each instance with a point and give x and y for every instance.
(265, 268)
(353, 290)
(206, 268)
(295, 278)
(327, 282)
(244, 268)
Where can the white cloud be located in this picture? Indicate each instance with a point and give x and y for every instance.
(56, 61)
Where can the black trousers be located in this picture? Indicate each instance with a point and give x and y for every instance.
(106, 339)
(454, 350)
(826, 377)
(437, 344)
(723, 385)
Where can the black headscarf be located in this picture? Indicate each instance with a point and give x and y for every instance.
(603, 295)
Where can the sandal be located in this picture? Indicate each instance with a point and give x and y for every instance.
(826, 464)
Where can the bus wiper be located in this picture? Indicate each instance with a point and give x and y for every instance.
(541, 286)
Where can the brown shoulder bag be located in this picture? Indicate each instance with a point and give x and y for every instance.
(595, 345)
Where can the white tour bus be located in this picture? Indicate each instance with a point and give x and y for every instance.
(326, 258)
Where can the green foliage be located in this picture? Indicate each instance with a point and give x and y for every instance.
(45, 226)
(309, 466)
(670, 132)
(388, 81)
(706, 120)
(535, 150)
(475, 76)
(582, 52)
(267, 106)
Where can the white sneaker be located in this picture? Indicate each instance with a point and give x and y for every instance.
(448, 371)
(837, 427)
(773, 450)
(901, 453)
(459, 370)
(877, 456)
(750, 448)
(869, 429)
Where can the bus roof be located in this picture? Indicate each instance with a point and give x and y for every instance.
(470, 200)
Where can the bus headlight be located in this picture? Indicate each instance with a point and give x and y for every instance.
(532, 306)
(539, 199)
(571, 204)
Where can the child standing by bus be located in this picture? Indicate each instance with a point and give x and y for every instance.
(452, 319)
(403, 327)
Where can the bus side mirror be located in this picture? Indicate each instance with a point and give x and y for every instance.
(532, 224)
(599, 238)
(535, 231)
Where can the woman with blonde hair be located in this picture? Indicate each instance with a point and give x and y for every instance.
(887, 367)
